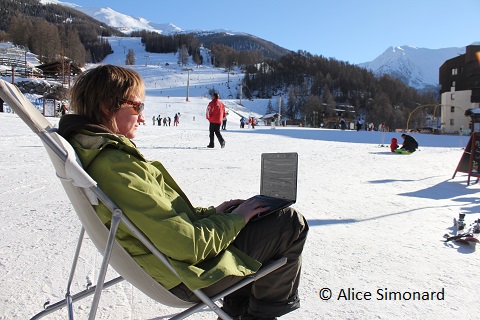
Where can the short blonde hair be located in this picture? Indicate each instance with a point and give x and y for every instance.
(96, 92)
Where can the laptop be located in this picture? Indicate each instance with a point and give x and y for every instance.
(278, 181)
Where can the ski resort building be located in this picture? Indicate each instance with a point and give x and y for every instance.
(460, 90)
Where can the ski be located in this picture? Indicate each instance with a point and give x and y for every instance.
(469, 236)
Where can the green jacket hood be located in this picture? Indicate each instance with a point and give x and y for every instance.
(89, 139)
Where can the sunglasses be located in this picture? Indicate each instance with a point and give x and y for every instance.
(137, 106)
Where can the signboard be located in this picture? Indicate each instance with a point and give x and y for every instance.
(49, 107)
(470, 161)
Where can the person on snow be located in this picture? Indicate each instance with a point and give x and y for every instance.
(211, 248)
(394, 145)
(224, 122)
(409, 143)
(215, 115)
(252, 122)
(242, 122)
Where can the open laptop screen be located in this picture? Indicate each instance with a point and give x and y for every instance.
(279, 175)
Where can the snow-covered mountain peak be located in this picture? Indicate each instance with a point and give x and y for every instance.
(122, 22)
(416, 67)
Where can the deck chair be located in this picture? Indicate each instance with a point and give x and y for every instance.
(83, 193)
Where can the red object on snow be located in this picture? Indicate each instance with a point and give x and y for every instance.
(394, 145)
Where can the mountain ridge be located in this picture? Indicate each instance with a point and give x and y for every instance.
(416, 67)
(128, 24)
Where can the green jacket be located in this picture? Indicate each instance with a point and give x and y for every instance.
(195, 240)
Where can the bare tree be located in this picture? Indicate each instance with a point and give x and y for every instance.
(20, 31)
(45, 40)
(72, 46)
(183, 55)
(130, 59)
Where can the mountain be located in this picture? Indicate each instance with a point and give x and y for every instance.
(242, 42)
(416, 67)
(120, 21)
(237, 40)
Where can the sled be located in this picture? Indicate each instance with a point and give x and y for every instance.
(400, 151)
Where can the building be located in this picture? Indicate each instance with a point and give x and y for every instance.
(64, 70)
(460, 90)
(269, 118)
(341, 110)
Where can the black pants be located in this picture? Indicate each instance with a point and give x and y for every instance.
(281, 234)
(215, 129)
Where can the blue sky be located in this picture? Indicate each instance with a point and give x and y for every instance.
(349, 30)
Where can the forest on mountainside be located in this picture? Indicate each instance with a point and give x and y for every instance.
(223, 56)
(52, 30)
(312, 87)
(315, 87)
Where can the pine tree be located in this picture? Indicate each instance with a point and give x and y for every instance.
(269, 107)
(329, 101)
(291, 103)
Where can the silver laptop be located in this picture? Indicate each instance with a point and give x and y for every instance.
(278, 181)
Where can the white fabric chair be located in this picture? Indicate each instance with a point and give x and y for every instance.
(83, 192)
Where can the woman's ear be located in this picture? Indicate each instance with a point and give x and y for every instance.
(106, 112)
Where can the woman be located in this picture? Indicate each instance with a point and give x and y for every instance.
(211, 248)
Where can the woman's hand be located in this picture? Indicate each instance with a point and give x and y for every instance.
(250, 208)
(225, 206)
(246, 208)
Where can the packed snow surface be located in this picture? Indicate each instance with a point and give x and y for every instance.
(376, 218)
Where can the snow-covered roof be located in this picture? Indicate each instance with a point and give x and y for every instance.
(270, 115)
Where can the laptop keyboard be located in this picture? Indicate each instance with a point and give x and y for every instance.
(273, 202)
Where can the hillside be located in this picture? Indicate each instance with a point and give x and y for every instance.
(415, 67)
(52, 13)
(305, 82)
(165, 78)
(52, 31)
(242, 42)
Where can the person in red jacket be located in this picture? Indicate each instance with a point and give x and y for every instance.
(215, 115)
(394, 145)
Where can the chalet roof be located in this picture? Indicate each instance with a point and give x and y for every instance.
(56, 68)
(270, 115)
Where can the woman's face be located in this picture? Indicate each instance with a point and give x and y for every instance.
(129, 115)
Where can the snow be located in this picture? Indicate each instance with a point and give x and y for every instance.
(376, 218)
(417, 65)
(122, 22)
